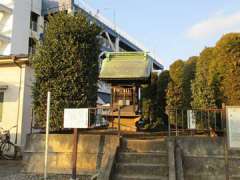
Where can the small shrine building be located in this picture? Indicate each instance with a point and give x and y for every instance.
(126, 72)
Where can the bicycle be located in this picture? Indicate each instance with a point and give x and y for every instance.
(7, 148)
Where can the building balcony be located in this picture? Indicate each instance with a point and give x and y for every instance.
(5, 39)
(5, 9)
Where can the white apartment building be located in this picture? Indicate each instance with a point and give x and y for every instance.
(21, 24)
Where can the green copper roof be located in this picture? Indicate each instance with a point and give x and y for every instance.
(126, 65)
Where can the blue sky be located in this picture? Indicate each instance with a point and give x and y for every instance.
(173, 29)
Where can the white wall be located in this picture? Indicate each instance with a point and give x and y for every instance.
(27, 103)
(17, 100)
(21, 27)
(10, 76)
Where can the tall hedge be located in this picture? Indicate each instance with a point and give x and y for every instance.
(175, 96)
(154, 100)
(203, 84)
(66, 63)
(227, 67)
(210, 80)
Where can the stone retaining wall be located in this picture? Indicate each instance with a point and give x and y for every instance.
(204, 158)
(93, 153)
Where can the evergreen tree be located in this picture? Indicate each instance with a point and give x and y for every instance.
(149, 94)
(203, 95)
(175, 86)
(228, 68)
(179, 94)
(66, 63)
(188, 77)
(161, 103)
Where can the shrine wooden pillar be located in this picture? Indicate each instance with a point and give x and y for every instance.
(134, 98)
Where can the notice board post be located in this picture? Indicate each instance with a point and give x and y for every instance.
(74, 154)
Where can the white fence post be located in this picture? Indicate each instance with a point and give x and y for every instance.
(46, 138)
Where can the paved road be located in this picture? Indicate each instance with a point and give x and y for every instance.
(12, 170)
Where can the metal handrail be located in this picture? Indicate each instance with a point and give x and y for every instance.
(197, 109)
(95, 176)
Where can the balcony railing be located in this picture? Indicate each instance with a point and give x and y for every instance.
(4, 38)
(5, 9)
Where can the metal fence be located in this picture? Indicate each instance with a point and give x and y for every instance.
(179, 121)
(99, 118)
(184, 122)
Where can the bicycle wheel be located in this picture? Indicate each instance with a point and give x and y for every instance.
(8, 151)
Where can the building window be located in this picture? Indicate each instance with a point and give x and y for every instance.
(1, 104)
(32, 46)
(34, 21)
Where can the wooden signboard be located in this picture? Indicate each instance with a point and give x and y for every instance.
(76, 118)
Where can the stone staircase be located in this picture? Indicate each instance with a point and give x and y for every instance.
(141, 159)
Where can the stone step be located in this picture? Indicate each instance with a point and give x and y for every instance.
(144, 157)
(124, 177)
(138, 169)
(143, 145)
